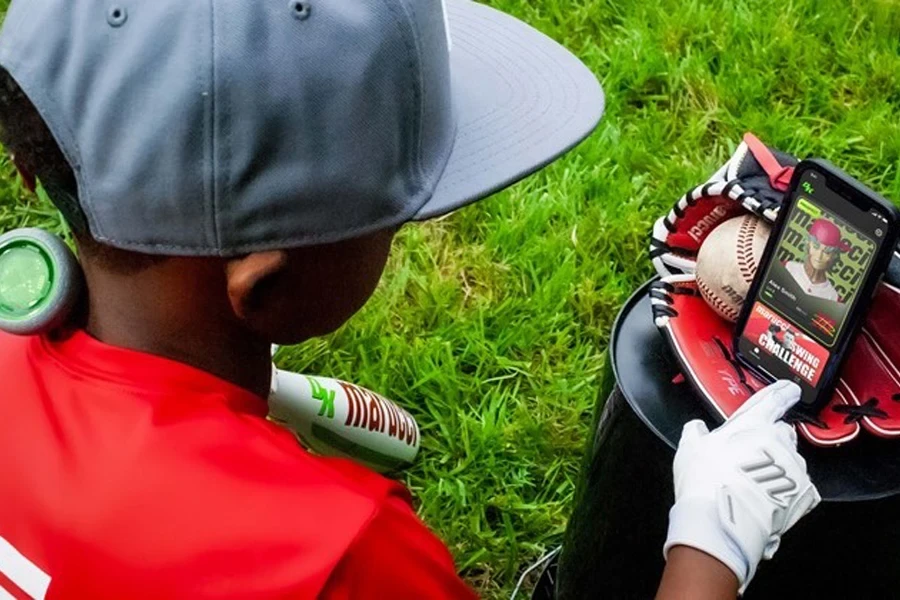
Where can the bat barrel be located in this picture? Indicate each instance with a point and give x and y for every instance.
(336, 418)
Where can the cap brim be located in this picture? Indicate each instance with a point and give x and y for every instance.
(522, 100)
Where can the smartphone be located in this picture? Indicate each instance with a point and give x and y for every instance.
(827, 252)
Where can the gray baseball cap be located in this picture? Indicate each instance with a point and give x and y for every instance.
(220, 127)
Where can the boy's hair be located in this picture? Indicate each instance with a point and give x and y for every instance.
(25, 134)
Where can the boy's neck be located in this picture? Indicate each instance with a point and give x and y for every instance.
(169, 311)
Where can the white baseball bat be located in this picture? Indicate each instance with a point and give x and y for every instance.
(336, 418)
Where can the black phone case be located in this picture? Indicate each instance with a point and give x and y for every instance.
(851, 189)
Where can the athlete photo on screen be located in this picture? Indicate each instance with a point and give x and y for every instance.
(823, 249)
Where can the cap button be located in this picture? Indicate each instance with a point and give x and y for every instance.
(300, 9)
(116, 15)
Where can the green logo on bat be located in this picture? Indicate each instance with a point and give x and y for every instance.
(323, 395)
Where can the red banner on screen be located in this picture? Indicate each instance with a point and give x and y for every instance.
(773, 335)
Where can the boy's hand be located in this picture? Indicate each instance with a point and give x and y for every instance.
(741, 487)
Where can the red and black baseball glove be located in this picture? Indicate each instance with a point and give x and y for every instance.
(754, 181)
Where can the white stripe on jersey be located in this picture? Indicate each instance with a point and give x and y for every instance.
(4, 595)
(21, 571)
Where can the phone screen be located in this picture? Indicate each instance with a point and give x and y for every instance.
(823, 255)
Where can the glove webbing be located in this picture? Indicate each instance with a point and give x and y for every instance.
(762, 202)
(752, 199)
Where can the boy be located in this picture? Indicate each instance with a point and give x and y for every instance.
(234, 173)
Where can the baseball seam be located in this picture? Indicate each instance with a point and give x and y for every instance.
(723, 309)
(745, 259)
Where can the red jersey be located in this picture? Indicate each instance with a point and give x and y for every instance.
(130, 476)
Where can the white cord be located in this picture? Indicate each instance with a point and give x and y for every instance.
(540, 562)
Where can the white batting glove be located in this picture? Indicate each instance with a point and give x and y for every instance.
(741, 487)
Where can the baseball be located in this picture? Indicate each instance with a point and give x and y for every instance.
(728, 261)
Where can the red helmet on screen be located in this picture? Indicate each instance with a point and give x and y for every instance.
(828, 234)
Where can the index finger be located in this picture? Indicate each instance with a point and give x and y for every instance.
(770, 404)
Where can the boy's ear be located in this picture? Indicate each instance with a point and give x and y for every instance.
(247, 277)
(28, 177)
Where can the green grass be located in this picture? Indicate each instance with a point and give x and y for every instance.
(491, 325)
